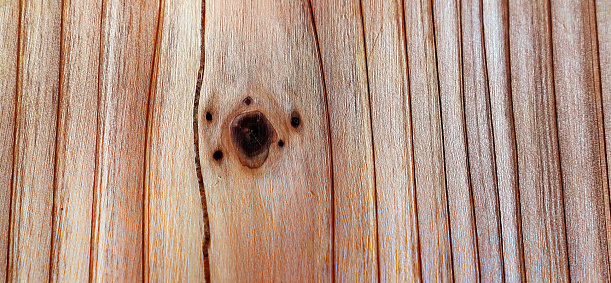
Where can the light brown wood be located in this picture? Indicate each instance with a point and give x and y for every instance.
(274, 221)
(173, 216)
(9, 49)
(129, 33)
(480, 139)
(534, 107)
(580, 134)
(76, 141)
(460, 202)
(496, 37)
(36, 112)
(398, 246)
(436, 252)
(341, 35)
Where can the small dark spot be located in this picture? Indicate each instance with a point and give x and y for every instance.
(280, 143)
(295, 121)
(208, 116)
(247, 100)
(218, 155)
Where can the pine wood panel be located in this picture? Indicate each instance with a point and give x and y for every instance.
(35, 133)
(129, 33)
(534, 107)
(76, 141)
(272, 219)
(384, 24)
(9, 50)
(341, 35)
(173, 217)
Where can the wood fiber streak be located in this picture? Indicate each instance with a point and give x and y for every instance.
(534, 108)
(9, 49)
(273, 222)
(173, 214)
(460, 202)
(496, 37)
(481, 143)
(34, 157)
(76, 141)
(127, 50)
(436, 251)
(341, 37)
(581, 138)
(398, 247)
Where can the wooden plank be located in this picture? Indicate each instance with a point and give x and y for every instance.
(581, 138)
(9, 49)
(128, 43)
(496, 37)
(542, 207)
(33, 172)
(398, 246)
(460, 202)
(481, 143)
(436, 252)
(76, 141)
(341, 36)
(603, 31)
(173, 211)
(270, 206)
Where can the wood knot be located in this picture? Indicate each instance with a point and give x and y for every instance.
(252, 135)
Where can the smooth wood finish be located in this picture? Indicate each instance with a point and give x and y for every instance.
(9, 50)
(534, 108)
(273, 222)
(436, 252)
(340, 31)
(129, 37)
(384, 24)
(76, 141)
(460, 201)
(35, 134)
(580, 134)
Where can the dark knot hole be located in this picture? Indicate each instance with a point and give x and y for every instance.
(251, 133)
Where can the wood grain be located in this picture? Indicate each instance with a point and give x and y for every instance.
(34, 157)
(534, 107)
(76, 141)
(460, 202)
(274, 221)
(398, 246)
(9, 50)
(128, 42)
(173, 215)
(340, 31)
(580, 134)
(496, 37)
(436, 252)
(480, 138)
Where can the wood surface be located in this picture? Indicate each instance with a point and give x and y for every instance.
(350, 141)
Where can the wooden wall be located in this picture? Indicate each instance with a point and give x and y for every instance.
(308, 140)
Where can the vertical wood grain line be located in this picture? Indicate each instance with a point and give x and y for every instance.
(15, 137)
(329, 143)
(150, 112)
(373, 153)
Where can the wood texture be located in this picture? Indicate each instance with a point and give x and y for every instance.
(35, 134)
(9, 54)
(397, 220)
(460, 202)
(534, 108)
(436, 252)
(341, 35)
(129, 33)
(581, 138)
(76, 141)
(274, 221)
